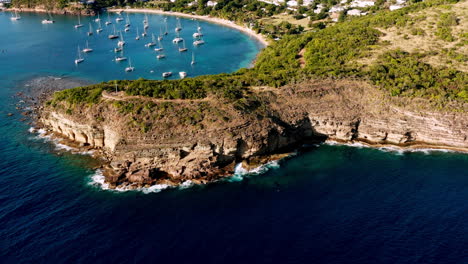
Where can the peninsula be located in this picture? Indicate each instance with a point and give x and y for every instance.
(394, 78)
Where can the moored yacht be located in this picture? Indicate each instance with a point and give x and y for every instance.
(48, 20)
(178, 25)
(121, 42)
(130, 68)
(16, 16)
(90, 32)
(79, 22)
(113, 35)
(182, 74)
(79, 59)
(108, 22)
(183, 47)
(87, 49)
(152, 43)
(166, 74)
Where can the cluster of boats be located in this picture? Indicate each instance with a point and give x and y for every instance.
(155, 43)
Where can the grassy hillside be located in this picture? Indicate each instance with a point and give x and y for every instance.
(374, 48)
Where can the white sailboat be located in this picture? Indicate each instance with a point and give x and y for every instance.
(15, 17)
(118, 19)
(98, 19)
(118, 49)
(160, 55)
(145, 20)
(182, 74)
(183, 49)
(121, 42)
(198, 33)
(79, 59)
(108, 22)
(144, 33)
(113, 36)
(177, 39)
(198, 41)
(99, 29)
(137, 35)
(79, 22)
(160, 37)
(152, 43)
(198, 26)
(160, 47)
(127, 22)
(90, 32)
(121, 57)
(178, 25)
(48, 20)
(129, 68)
(87, 49)
(166, 74)
(193, 59)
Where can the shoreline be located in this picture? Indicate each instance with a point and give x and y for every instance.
(260, 38)
(82, 12)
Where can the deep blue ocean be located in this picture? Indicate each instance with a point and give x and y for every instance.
(327, 204)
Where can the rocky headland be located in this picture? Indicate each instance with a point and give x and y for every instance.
(145, 141)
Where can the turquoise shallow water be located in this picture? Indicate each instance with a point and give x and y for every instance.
(328, 204)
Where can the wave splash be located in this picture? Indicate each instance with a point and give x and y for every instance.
(393, 149)
(42, 135)
(240, 172)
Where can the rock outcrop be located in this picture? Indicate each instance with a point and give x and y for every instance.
(202, 140)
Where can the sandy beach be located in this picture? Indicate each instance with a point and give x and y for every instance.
(220, 21)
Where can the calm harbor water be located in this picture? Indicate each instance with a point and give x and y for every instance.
(328, 204)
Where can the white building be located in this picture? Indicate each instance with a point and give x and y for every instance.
(336, 9)
(211, 3)
(355, 12)
(318, 9)
(395, 7)
(361, 3)
(291, 3)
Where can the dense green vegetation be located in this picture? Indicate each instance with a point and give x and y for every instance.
(331, 52)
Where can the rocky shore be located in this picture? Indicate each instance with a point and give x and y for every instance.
(202, 141)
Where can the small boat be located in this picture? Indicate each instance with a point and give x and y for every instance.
(15, 17)
(198, 42)
(137, 35)
(144, 34)
(183, 49)
(193, 59)
(127, 22)
(160, 56)
(177, 39)
(166, 74)
(165, 23)
(119, 19)
(48, 20)
(152, 43)
(127, 29)
(182, 74)
(99, 29)
(87, 49)
(178, 25)
(118, 49)
(145, 26)
(79, 22)
(160, 48)
(114, 35)
(160, 37)
(145, 20)
(108, 22)
(98, 19)
(197, 34)
(90, 32)
(79, 59)
(121, 42)
(129, 68)
(198, 26)
(120, 58)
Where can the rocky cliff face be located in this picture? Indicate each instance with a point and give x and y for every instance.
(202, 141)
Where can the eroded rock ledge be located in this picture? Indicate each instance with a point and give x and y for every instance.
(201, 141)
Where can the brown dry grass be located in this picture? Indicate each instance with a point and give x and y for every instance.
(402, 38)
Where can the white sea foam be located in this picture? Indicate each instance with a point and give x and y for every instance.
(98, 180)
(240, 172)
(393, 149)
(42, 135)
